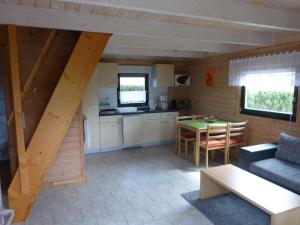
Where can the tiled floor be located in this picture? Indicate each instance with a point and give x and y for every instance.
(133, 187)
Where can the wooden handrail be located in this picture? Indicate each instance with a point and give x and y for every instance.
(35, 69)
(17, 103)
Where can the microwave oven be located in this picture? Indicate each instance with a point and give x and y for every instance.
(182, 80)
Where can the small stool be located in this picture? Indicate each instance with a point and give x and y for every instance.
(255, 153)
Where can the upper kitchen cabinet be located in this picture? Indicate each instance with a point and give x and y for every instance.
(162, 75)
(90, 97)
(107, 74)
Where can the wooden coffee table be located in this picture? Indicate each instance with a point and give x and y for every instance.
(281, 204)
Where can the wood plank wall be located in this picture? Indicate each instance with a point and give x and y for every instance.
(224, 101)
(69, 163)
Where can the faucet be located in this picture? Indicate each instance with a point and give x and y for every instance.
(107, 101)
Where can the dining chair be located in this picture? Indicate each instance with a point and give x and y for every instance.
(196, 117)
(185, 135)
(216, 139)
(236, 136)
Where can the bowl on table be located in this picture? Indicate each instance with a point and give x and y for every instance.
(210, 119)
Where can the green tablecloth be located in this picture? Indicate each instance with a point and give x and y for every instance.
(201, 124)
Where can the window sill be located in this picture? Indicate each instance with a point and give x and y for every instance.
(270, 115)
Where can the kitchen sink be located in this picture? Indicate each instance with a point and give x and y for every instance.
(127, 110)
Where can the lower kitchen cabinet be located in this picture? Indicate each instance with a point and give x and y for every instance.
(151, 129)
(92, 130)
(168, 129)
(151, 132)
(168, 126)
(155, 129)
(111, 133)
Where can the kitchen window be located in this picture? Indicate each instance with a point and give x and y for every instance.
(270, 94)
(133, 90)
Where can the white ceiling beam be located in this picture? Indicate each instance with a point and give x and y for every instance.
(171, 44)
(229, 11)
(52, 18)
(142, 52)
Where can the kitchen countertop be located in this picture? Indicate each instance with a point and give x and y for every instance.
(142, 111)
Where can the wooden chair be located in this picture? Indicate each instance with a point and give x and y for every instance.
(236, 136)
(185, 135)
(196, 117)
(216, 139)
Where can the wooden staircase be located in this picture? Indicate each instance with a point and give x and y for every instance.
(46, 140)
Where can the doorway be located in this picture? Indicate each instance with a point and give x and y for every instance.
(5, 175)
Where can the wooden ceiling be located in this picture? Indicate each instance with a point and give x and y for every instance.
(293, 5)
(166, 28)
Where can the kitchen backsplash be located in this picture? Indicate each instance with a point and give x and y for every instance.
(111, 93)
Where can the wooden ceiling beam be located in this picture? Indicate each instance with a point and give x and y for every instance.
(144, 52)
(231, 11)
(59, 19)
(171, 44)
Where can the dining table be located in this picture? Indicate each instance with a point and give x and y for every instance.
(199, 126)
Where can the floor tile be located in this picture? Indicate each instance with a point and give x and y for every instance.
(163, 221)
(130, 187)
(138, 217)
(161, 210)
(117, 219)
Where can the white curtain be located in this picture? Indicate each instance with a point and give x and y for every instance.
(127, 97)
(281, 69)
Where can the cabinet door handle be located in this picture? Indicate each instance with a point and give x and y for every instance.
(165, 121)
(115, 125)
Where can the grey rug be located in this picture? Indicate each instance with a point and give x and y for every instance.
(228, 209)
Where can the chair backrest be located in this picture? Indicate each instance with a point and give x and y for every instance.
(195, 117)
(182, 118)
(237, 130)
(217, 132)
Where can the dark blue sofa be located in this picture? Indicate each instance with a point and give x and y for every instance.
(283, 167)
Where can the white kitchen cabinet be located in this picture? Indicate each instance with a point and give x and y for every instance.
(132, 130)
(92, 130)
(90, 97)
(163, 75)
(168, 126)
(111, 133)
(90, 110)
(107, 74)
(151, 128)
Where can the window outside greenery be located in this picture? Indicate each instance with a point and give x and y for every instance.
(273, 101)
(132, 88)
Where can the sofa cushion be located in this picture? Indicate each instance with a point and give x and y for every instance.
(288, 148)
(283, 173)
